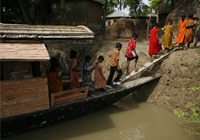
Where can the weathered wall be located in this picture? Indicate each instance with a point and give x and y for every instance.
(23, 96)
(77, 12)
(94, 15)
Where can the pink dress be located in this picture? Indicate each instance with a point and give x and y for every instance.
(98, 77)
(74, 82)
(154, 46)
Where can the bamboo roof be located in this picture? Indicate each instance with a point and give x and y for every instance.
(23, 52)
(44, 31)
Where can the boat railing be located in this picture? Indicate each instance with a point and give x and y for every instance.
(68, 95)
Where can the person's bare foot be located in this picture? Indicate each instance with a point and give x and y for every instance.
(127, 73)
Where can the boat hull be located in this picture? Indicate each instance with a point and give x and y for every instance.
(59, 113)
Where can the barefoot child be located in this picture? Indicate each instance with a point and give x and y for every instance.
(74, 69)
(129, 52)
(87, 78)
(168, 35)
(154, 44)
(114, 66)
(99, 79)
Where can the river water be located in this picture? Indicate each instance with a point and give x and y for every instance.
(125, 120)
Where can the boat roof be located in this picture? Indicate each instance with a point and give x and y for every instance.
(44, 31)
(23, 52)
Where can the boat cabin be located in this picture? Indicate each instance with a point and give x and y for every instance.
(24, 84)
(24, 58)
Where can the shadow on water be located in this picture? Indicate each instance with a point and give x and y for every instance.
(84, 125)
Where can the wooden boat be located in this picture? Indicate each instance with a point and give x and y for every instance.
(25, 100)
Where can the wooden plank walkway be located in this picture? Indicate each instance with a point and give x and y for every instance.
(145, 67)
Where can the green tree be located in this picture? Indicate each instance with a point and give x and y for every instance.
(111, 4)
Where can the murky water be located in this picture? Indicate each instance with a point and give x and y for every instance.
(126, 120)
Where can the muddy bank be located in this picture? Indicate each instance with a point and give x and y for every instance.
(178, 74)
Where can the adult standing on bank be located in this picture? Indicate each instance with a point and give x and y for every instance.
(114, 66)
(181, 39)
(189, 30)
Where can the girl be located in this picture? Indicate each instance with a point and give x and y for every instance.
(181, 31)
(99, 79)
(189, 31)
(74, 69)
(168, 35)
(87, 78)
(129, 52)
(154, 44)
(54, 81)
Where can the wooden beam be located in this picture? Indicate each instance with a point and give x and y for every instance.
(43, 69)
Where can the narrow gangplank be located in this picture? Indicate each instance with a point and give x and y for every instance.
(146, 67)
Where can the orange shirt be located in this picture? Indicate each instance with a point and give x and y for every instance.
(114, 57)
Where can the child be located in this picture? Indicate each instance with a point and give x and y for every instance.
(181, 39)
(168, 35)
(74, 69)
(87, 78)
(154, 44)
(189, 31)
(99, 79)
(129, 54)
(195, 33)
(114, 66)
(55, 82)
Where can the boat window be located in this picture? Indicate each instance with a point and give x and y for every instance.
(36, 69)
(11, 70)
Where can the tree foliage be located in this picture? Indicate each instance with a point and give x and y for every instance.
(110, 6)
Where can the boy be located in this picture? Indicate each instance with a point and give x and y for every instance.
(114, 66)
(129, 52)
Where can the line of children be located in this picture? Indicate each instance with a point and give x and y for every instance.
(154, 47)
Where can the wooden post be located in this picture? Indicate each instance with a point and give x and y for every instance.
(0, 12)
(148, 27)
(43, 69)
(104, 21)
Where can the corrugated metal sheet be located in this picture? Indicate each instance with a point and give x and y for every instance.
(23, 52)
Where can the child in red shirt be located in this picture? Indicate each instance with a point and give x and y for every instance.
(129, 52)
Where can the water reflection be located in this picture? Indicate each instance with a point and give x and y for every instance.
(125, 120)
